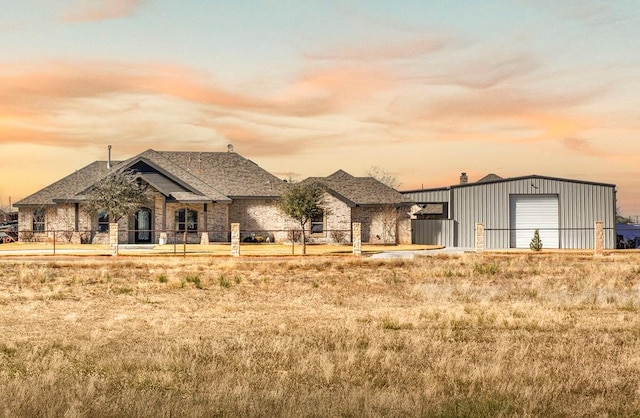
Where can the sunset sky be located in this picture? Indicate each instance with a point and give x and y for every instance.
(424, 89)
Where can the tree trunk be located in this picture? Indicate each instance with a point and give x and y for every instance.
(304, 241)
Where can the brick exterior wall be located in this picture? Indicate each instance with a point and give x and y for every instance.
(258, 216)
(384, 225)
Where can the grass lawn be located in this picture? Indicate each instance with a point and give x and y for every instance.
(488, 335)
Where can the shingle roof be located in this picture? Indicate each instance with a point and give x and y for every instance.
(215, 176)
(235, 176)
(68, 187)
(360, 191)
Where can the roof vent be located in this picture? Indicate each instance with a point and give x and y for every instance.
(230, 148)
(464, 179)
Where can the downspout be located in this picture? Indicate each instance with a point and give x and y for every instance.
(77, 214)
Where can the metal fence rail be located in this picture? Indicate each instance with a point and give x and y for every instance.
(97, 242)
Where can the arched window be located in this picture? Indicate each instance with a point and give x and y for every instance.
(38, 220)
(186, 220)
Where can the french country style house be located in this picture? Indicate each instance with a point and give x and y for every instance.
(202, 194)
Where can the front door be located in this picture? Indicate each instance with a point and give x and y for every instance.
(143, 226)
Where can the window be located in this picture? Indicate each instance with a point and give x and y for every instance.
(38, 220)
(103, 222)
(317, 224)
(186, 220)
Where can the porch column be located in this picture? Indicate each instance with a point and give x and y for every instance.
(204, 238)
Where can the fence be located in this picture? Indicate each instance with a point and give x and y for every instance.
(597, 238)
(449, 233)
(116, 240)
(561, 238)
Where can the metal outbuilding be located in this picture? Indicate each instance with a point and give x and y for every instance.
(511, 209)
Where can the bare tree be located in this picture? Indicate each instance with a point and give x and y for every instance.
(383, 177)
(119, 194)
(389, 217)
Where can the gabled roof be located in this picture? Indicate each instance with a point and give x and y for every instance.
(359, 191)
(183, 176)
(235, 176)
(530, 177)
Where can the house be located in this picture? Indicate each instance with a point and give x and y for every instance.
(511, 209)
(382, 211)
(194, 193)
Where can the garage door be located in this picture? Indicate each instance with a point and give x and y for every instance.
(528, 213)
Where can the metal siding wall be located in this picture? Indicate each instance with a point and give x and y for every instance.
(433, 231)
(579, 206)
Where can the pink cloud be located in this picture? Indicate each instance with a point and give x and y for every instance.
(97, 10)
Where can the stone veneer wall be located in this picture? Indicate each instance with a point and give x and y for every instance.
(214, 222)
(370, 218)
(404, 226)
(260, 217)
(337, 222)
(218, 222)
(61, 218)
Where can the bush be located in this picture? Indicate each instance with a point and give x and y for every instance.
(338, 236)
(536, 243)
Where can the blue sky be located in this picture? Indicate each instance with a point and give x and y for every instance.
(422, 89)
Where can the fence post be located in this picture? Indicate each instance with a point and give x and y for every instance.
(54, 242)
(235, 239)
(599, 238)
(357, 238)
(204, 239)
(184, 244)
(113, 238)
(479, 238)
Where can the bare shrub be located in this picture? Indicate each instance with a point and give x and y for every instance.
(338, 236)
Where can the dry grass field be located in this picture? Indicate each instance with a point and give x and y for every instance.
(475, 335)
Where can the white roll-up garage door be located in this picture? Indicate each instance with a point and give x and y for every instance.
(531, 212)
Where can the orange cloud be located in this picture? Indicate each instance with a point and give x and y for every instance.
(97, 10)
(63, 98)
(382, 52)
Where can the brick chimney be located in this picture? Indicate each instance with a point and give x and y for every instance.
(464, 179)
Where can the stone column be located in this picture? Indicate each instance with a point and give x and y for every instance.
(599, 237)
(204, 239)
(113, 238)
(235, 239)
(479, 238)
(356, 237)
